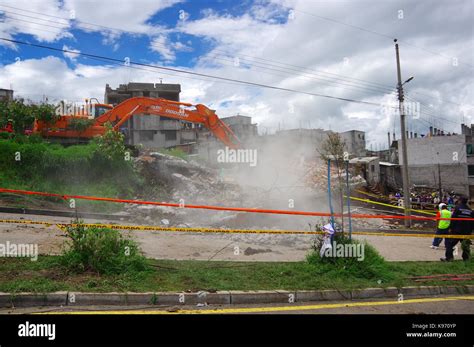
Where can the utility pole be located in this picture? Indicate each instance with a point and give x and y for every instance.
(406, 182)
(439, 179)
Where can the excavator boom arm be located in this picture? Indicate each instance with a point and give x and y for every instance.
(199, 114)
(119, 114)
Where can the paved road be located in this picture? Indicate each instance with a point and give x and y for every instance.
(432, 305)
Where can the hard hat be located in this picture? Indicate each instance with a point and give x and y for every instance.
(441, 205)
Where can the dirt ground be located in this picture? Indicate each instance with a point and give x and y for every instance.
(222, 246)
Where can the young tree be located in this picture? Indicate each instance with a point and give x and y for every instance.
(334, 149)
(111, 143)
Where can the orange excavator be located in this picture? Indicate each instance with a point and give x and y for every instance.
(118, 115)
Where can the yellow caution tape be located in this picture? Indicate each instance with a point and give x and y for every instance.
(448, 236)
(62, 226)
(388, 205)
(370, 194)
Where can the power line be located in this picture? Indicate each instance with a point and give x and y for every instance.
(259, 66)
(433, 97)
(302, 71)
(155, 44)
(161, 72)
(69, 19)
(263, 67)
(340, 77)
(9, 13)
(428, 111)
(377, 33)
(191, 73)
(277, 63)
(31, 22)
(308, 76)
(194, 78)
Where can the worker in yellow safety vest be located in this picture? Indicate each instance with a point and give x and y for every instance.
(443, 225)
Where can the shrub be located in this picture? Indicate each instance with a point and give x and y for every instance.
(80, 124)
(111, 144)
(105, 251)
(373, 266)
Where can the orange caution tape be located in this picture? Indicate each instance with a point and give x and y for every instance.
(221, 208)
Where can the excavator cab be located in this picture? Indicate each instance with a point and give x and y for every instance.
(96, 109)
(99, 109)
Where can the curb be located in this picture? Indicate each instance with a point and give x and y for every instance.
(10, 300)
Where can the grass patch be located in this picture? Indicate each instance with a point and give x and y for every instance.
(33, 164)
(47, 274)
(174, 152)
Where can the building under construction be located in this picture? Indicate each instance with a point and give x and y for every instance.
(153, 131)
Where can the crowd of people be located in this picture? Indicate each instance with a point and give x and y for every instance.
(453, 218)
(427, 199)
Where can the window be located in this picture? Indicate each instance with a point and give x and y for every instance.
(372, 168)
(99, 110)
(146, 135)
(170, 135)
(469, 149)
(470, 170)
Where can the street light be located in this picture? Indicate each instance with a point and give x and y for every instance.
(408, 80)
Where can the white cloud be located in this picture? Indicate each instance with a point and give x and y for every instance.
(128, 16)
(50, 20)
(72, 53)
(166, 48)
(322, 45)
(40, 21)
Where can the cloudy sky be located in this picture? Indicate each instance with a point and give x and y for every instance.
(341, 48)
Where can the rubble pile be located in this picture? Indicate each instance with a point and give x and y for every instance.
(182, 182)
(317, 176)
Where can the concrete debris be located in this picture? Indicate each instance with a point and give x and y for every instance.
(317, 176)
(182, 182)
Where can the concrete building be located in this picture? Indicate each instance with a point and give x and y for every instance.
(367, 167)
(152, 90)
(390, 177)
(355, 142)
(444, 160)
(241, 126)
(6, 94)
(148, 130)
